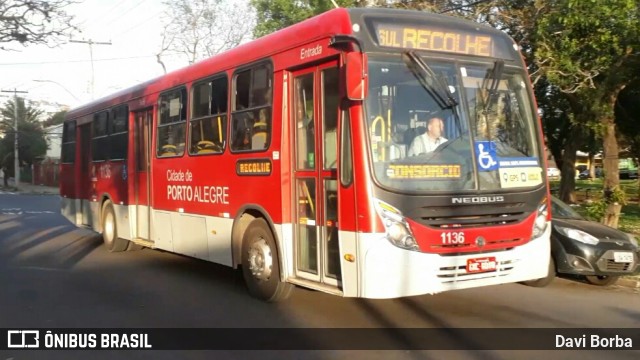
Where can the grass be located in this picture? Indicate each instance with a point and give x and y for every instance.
(589, 190)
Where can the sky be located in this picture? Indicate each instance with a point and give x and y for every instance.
(133, 27)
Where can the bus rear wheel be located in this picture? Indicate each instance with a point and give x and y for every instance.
(260, 263)
(112, 242)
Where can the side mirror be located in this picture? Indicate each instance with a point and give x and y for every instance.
(356, 75)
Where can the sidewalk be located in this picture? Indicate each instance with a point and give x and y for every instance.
(629, 281)
(28, 188)
(38, 189)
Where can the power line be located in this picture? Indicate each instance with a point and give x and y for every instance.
(81, 61)
(138, 24)
(91, 43)
(108, 17)
(99, 17)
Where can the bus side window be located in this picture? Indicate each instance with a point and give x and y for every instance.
(305, 124)
(172, 119)
(251, 116)
(260, 131)
(209, 116)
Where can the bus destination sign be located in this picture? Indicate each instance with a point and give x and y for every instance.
(434, 39)
(419, 172)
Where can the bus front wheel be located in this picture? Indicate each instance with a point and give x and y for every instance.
(110, 237)
(260, 263)
(545, 280)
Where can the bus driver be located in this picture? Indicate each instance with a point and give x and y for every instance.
(430, 140)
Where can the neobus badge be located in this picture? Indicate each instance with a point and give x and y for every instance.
(477, 199)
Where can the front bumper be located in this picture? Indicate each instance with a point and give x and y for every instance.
(583, 259)
(390, 272)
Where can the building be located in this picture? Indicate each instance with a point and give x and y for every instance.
(46, 172)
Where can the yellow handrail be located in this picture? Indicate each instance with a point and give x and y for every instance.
(382, 133)
(385, 132)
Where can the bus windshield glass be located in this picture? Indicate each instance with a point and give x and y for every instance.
(445, 126)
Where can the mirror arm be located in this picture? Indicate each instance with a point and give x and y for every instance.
(339, 41)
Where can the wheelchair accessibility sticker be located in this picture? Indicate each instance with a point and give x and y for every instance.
(486, 155)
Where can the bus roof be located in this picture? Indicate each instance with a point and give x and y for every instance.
(336, 21)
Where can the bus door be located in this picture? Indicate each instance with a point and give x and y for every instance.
(315, 111)
(86, 177)
(142, 178)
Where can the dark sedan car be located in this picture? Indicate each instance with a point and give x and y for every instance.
(599, 253)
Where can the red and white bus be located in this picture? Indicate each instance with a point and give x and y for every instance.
(294, 157)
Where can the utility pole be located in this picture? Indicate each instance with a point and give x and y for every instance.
(91, 43)
(16, 158)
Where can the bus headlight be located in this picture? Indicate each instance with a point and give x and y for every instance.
(396, 228)
(542, 220)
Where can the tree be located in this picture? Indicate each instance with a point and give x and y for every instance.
(273, 15)
(55, 119)
(202, 28)
(31, 140)
(588, 49)
(34, 22)
(627, 114)
(562, 133)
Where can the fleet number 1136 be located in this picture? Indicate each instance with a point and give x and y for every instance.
(452, 237)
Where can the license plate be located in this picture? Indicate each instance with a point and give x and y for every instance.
(481, 265)
(623, 257)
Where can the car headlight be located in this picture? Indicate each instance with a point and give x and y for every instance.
(397, 230)
(633, 239)
(578, 235)
(542, 220)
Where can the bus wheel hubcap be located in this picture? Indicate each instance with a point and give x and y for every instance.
(108, 227)
(260, 260)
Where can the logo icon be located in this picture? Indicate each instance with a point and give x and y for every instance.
(20, 339)
(486, 155)
(480, 241)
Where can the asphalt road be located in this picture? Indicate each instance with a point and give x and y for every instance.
(55, 275)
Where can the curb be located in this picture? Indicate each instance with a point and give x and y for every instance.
(36, 192)
(627, 282)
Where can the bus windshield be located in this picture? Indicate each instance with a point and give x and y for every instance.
(447, 126)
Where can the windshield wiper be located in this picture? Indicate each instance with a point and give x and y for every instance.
(432, 83)
(429, 80)
(491, 83)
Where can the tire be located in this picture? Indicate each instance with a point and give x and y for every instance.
(542, 282)
(601, 280)
(260, 263)
(110, 230)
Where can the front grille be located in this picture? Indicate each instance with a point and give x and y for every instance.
(607, 263)
(502, 243)
(470, 216)
(611, 265)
